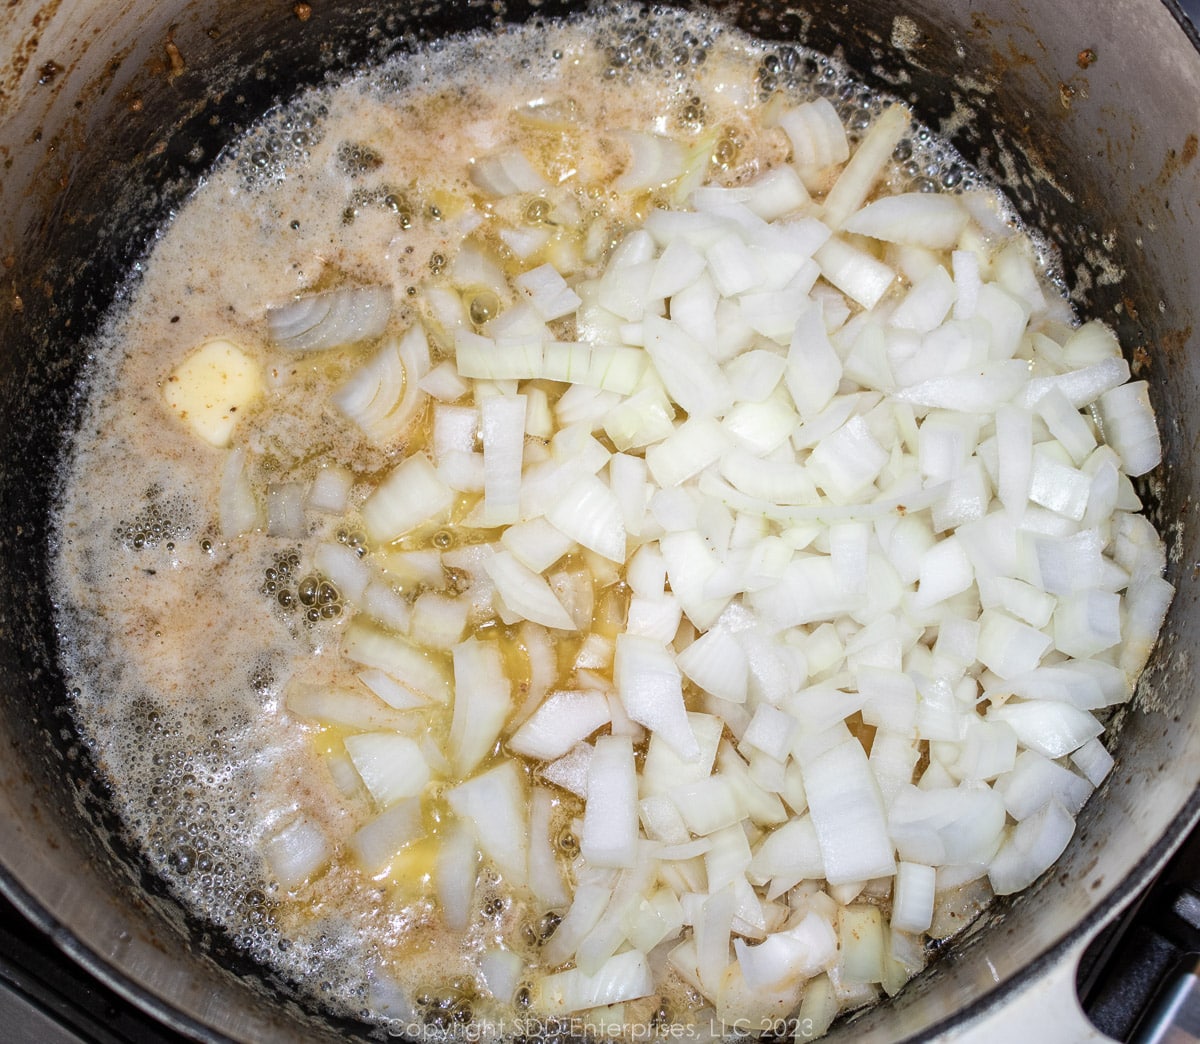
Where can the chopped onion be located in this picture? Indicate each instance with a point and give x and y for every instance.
(333, 706)
(296, 853)
(610, 823)
(654, 161)
(237, 507)
(651, 691)
(817, 135)
(330, 319)
(928, 219)
(506, 173)
(482, 703)
(495, 804)
(1032, 846)
(562, 721)
(881, 479)
(377, 842)
(410, 495)
(622, 978)
(391, 766)
(912, 897)
(455, 875)
(848, 815)
(383, 396)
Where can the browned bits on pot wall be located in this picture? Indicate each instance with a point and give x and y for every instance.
(175, 58)
(1085, 58)
(302, 11)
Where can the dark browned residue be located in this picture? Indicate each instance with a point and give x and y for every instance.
(1085, 58)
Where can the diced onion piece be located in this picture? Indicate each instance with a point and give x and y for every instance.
(692, 378)
(506, 173)
(624, 977)
(650, 686)
(377, 842)
(855, 272)
(777, 193)
(455, 875)
(383, 396)
(1048, 727)
(1034, 779)
(501, 970)
(411, 494)
(335, 706)
(1127, 419)
(503, 430)
(482, 703)
(562, 721)
(654, 161)
(496, 804)
(610, 822)
(813, 367)
(790, 852)
(526, 593)
(237, 507)
(717, 664)
(399, 659)
(860, 929)
(1146, 605)
(391, 766)
(1034, 844)
(344, 569)
(589, 513)
(330, 319)
(817, 135)
(858, 177)
(912, 897)
(296, 852)
(285, 510)
(1008, 646)
(545, 877)
(391, 691)
(548, 292)
(1093, 761)
(848, 814)
(928, 219)
(796, 953)
(330, 490)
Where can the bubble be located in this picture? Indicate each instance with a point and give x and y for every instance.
(356, 159)
(485, 305)
(537, 211)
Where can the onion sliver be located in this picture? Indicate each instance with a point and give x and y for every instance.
(330, 319)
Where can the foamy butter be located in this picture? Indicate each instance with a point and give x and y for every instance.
(179, 640)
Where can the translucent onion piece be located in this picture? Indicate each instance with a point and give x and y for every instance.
(383, 396)
(330, 319)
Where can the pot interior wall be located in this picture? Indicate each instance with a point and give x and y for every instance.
(109, 113)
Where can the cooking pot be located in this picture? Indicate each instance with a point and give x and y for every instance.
(109, 112)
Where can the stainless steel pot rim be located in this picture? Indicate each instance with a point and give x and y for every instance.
(100, 968)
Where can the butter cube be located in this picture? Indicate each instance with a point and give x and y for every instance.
(212, 387)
